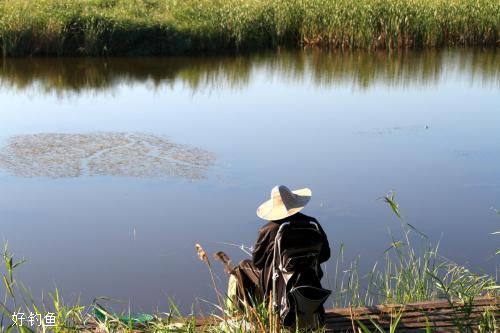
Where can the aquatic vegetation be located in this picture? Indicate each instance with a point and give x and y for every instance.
(153, 27)
(412, 273)
(60, 155)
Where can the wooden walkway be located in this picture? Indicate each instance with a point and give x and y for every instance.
(441, 315)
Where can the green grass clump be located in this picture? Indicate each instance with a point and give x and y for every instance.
(164, 27)
(412, 270)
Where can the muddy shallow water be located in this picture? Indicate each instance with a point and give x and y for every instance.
(57, 155)
(112, 169)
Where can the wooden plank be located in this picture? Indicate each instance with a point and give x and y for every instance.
(411, 314)
(428, 305)
(439, 313)
(447, 314)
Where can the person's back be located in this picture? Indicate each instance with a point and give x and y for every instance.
(262, 255)
(255, 277)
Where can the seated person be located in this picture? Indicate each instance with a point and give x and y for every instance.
(252, 280)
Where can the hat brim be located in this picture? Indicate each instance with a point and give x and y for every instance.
(267, 211)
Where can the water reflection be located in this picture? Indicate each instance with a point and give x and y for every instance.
(360, 69)
(57, 155)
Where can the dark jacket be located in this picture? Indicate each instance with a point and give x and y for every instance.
(263, 252)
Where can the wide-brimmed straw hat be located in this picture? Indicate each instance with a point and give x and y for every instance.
(283, 203)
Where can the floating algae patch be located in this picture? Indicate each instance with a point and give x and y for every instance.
(57, 155)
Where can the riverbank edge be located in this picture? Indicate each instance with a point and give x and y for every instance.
(162, 28)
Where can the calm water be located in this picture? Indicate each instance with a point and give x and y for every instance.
(112, 169)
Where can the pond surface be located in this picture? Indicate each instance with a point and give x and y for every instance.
(112, 169)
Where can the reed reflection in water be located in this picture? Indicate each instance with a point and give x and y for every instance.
(360, 69)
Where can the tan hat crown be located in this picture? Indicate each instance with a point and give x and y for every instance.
(283, 203)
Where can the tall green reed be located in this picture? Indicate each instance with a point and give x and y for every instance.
(412, 270)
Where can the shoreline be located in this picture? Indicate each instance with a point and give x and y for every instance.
(156, 28)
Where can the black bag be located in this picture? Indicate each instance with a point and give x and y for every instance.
(297, 293)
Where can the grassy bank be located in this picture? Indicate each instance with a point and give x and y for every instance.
(165, 27)
(411, 270)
